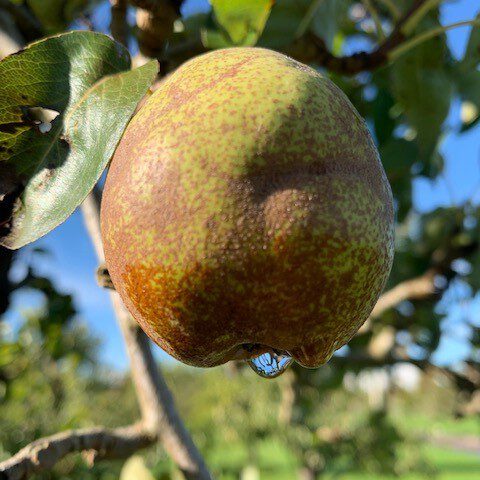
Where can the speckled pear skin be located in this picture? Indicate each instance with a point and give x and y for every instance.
(246, 204)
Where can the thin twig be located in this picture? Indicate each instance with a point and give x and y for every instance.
(422, 287)
(462, 375)
(395, 12)
(98, 442)
(156, 6)
(11, 39)
(154, 28)
(375, 17)
(418, 14)
(429, 34)
(413, 289)
(307, 19)
(25, 21)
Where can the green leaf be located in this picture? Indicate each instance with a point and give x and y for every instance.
(329, 17)
(472, 52)
(423, 88)
(8, 352)
(214, 39)
(398, 156)
(382, 117)
(283, 23)
(243, 20)
(213, 36)
(290, 19)
(46, 173)
(466, 76)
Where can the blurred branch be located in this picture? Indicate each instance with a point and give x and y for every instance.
(24, 20)
(287, 388)
(155, 6)
(6, 257)
(118, 24)
(466, 379)
(307, 19)
(96, 442)
(423, 286)
(418, 288)
(103, 277)
(363, 360)
(392, 8)
(155, 25)
(159, 413)
(360, 61)
(370, 8)
(423, 7)
(471, 407)
(11, 39)
(424, 36)
(462, 443)
(413, 289)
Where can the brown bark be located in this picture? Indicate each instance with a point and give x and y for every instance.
(99, 442)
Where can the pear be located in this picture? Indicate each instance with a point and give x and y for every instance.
(246, 210)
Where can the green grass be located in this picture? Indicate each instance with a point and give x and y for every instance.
(277, 463)
(463, 426)
(449, 465)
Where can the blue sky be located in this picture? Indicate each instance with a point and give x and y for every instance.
(71, 262)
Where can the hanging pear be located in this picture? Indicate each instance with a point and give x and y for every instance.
(246, 211)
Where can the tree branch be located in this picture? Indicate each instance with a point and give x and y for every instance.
(417, 14)
(118, 24)
(158, 409)
(11, 39)
(413, 289)
(370, 8)
(97, 442)
(156, 6)
(423, 287)
(25, 21)
(155, 26)
(424, 36)
(287, 403)
(392, 8)
(467, 378)
(6, 258)
(361, 61)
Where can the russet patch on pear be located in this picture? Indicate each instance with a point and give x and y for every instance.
(246, 209)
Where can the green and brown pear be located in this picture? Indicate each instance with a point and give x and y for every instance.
(246, 209)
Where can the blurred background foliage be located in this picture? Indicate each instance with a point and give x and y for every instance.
(383, 407)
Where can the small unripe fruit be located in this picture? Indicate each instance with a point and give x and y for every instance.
(246, 209)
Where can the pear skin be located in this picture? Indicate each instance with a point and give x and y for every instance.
(246, 209)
